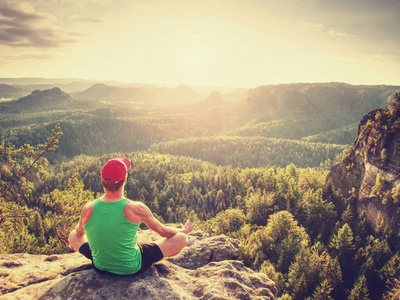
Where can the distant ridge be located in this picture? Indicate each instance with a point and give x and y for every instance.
(40, 101)
(320, 98)
(144, 95)
(36, 80)
(213, 100)
(103, 92)
(9, 92)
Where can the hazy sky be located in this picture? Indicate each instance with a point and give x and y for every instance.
(236, 43)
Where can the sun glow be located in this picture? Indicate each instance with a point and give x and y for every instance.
(228, 42)
(193, 62)
(199, 55)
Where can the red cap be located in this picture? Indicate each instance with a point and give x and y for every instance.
(115, 169)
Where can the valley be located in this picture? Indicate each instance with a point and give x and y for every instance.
(252, 164)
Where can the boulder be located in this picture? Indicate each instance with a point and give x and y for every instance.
(203, 249)
(206, 269)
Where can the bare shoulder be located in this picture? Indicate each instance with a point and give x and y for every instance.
(136, 212)
(88, 206)
(87, 212)
(136, 207)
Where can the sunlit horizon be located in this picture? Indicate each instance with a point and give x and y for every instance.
(229, 43)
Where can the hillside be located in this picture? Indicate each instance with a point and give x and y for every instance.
(38, 100)
(320, 98)
(28, 85)
(310, 113)
(9, 92)
(290, 222)
(139, 96)
(287, 219)
(248, 152)
(297, 111)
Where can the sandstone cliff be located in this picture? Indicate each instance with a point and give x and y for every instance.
(206, 269)
(370, 172)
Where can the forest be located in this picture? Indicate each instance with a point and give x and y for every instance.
(249, 170)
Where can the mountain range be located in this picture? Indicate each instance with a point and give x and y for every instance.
(314, 112)
(271, 99)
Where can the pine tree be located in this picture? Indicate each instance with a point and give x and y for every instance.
(37, 228)
(322, 292)
(259, 207)
(347, 215)
(393, 293)
(360, 290)
(229, 221)
(17, 162)
(391, 270)
(285, 297)
(66, 205)
(379, 188)
(268, 268)
(343, 241)
(17, 181)
(331, 270)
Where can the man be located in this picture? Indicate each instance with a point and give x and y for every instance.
(107, 230)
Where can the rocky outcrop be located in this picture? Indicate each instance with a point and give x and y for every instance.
(206, 269)
(370, 171)
(203, 249)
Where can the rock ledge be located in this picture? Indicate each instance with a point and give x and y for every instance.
(206, 269)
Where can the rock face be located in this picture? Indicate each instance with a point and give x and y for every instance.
(374, 157)
(198, 253)
(206, 269)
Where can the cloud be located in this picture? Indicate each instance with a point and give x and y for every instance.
(312, 26)
(22, 26)
(79, 18)
(326, 29)
(368, 19)
(342, 34)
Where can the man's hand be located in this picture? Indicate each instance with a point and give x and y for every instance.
(188, 227)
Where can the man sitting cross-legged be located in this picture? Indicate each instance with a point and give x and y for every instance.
(107, 230)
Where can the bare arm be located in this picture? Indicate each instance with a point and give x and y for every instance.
(86, 213)
(79, 229)
(146, 216)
